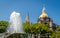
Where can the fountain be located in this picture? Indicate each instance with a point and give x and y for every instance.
(15, 25)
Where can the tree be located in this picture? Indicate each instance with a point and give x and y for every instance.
(36, 28)
(3, 25)
(31, 28)
(26, 27)
(44, 28)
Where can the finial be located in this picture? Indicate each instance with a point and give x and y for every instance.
(43, 10)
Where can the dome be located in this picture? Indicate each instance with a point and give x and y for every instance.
(44, 14)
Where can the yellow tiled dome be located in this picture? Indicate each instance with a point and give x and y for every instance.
(44, 14)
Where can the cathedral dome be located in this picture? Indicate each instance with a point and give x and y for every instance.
(44, 14)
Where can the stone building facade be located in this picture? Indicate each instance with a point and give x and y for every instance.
(45, 19)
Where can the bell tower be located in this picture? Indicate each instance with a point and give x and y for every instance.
(27, 18)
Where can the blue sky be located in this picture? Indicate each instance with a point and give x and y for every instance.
(34, 7)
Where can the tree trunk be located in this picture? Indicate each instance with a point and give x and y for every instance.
(39, 35)
(32, 36)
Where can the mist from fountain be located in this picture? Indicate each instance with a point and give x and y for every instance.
(15, 25)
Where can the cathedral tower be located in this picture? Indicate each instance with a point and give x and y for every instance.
(27, 18)
(45, 19)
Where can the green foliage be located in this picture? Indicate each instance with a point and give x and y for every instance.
(58, 28)
(44, 28)
(52, 34)
(3, 25)
(55, 34)
(36, 28)
(27, 27)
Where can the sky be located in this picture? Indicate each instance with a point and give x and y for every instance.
(33, 7)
